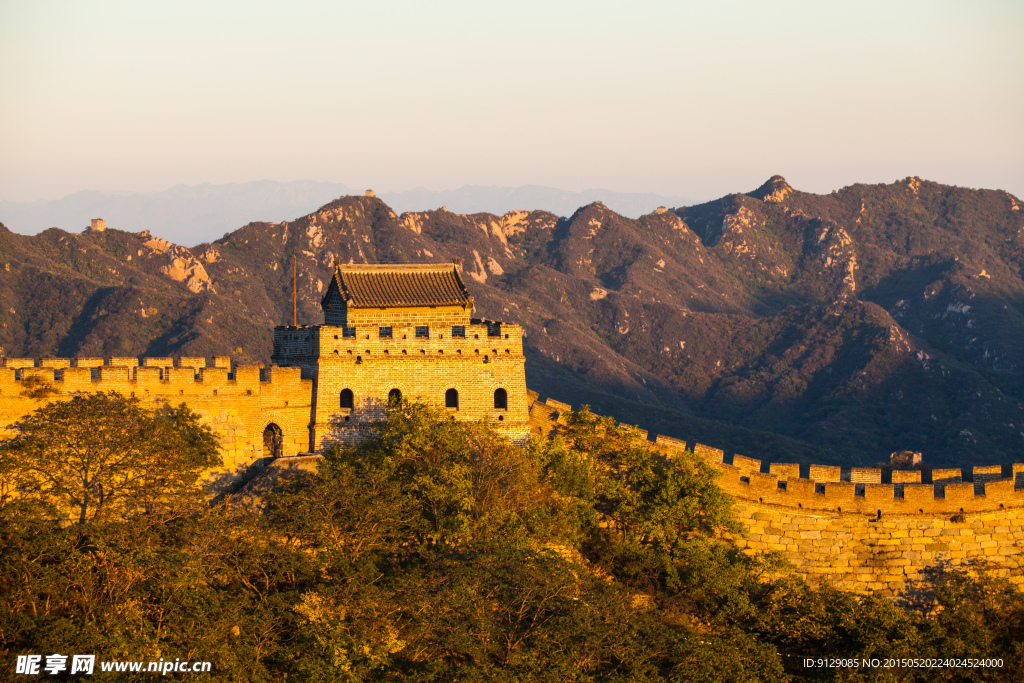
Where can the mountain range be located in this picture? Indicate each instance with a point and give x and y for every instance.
(200, 213)
(780, 324)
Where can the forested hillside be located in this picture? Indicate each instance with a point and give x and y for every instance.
(438, 551)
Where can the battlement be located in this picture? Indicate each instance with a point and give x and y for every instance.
(856, 490)
(239, 402)
(862, 490)
(483, 340)
(188, 375)
(861, 529)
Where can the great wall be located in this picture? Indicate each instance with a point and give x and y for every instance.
(406, 330)
(238, 403)
(847, 526)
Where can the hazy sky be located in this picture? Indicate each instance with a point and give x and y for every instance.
(693, 99)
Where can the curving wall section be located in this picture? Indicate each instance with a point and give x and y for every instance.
(862, 529)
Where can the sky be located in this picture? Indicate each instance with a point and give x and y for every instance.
(698, 99)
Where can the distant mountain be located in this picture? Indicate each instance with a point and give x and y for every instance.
(184, 214)
(192, 214)
(500, 200)
(775, 323)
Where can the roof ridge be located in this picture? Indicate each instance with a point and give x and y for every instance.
(414, 284)
(395, 267)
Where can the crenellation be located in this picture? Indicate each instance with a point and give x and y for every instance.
(800, 489)
(190, 362)
(760, 481)
(784, 471)
(214, 377)
(114, 375)
(745, 464)
(865, 475)
(922, 495)
(864, 535)
(947, 476)
(712, 455)
(559, 406)
(879, 494)
(47, 374)
(668, 443)
(825, 473)
(149, 378)
(248, 376)
(179, 378)
(985, 473)
(958, 493)
(839, 492)
(77, 379)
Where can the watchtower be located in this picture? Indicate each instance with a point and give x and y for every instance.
(406, 330)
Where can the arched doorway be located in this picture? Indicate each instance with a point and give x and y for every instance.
(394, 397)
(451, 398)
(273, 441)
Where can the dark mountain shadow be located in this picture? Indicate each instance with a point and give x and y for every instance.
(83, 323)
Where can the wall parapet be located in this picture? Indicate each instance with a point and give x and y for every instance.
(860, 529)
(239, 402)
(858, 490)
(159, 375)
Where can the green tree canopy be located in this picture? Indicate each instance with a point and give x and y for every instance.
(99, 456)
(438, 551)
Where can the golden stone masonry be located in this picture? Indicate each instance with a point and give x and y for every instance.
(390, 331)
(848, 527)
(394, 331)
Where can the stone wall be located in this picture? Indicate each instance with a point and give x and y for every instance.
(487, 359)
(862, 553)
(237, 403)
(862, 529)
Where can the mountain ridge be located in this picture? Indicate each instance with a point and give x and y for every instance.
(199, 213)
(777, 323)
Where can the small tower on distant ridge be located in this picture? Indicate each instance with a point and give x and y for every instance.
(369, 193)
(98, 225)
(905, 459)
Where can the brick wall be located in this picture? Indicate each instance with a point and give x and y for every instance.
(421, 368)
(237, 405)
(850, 528)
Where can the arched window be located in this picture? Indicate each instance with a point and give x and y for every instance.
(451, 398)
(501, 399)
(272, 441)
(347, 400)
(395, 396)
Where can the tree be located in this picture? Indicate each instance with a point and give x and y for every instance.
(99, 456)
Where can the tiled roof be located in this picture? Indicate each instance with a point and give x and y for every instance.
(374, 286)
